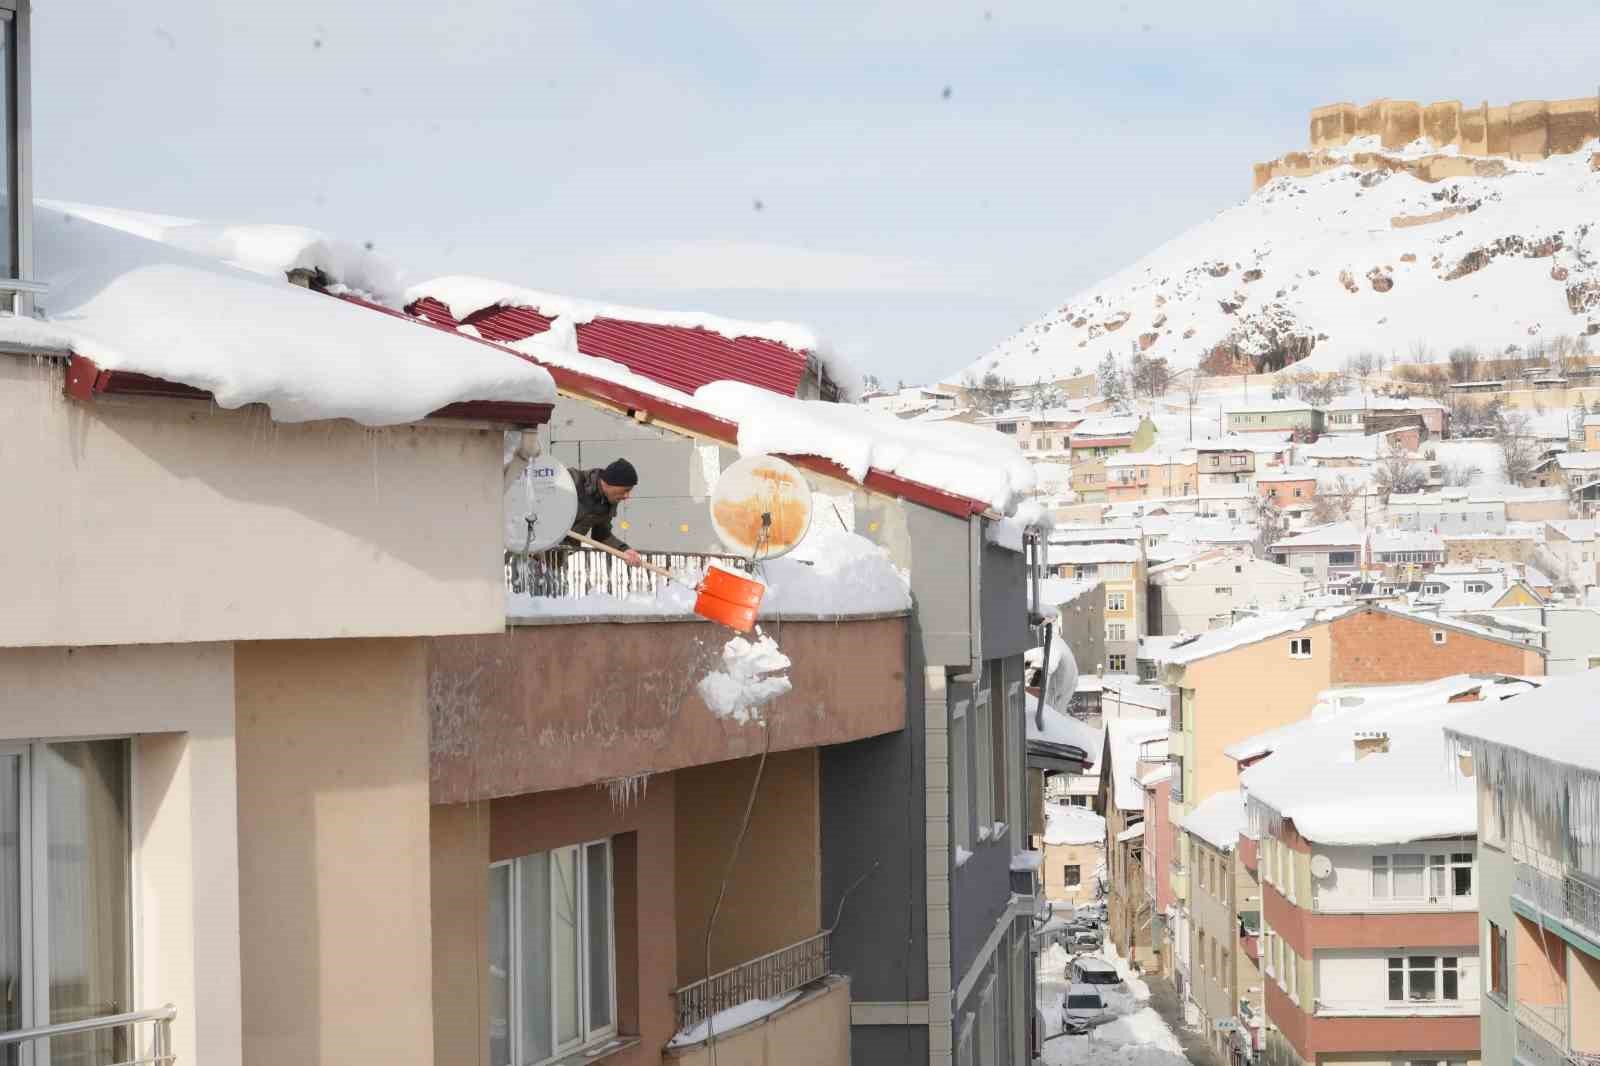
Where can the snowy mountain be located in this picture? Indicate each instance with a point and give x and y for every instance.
(1367, 255)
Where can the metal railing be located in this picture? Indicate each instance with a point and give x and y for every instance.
(1559, 891)
(1583, 1058)
(158, 1052)
(1548, 1021)
(763, 977)
(565, 573)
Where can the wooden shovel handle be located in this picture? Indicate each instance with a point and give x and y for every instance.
(582, 538)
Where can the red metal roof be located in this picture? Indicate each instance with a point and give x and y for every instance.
(682, 357)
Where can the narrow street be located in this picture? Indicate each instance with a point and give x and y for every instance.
(1164, 1001)
(1143, 1031)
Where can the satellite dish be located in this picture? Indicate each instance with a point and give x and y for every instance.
(748, 492)
(1321, 866)
(539, 506)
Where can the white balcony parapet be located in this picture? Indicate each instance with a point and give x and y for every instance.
(1421, 905)
(1431, 1008)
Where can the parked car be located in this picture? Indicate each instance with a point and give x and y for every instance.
(1083, 1008)
(1097, 972)
(1087, 939)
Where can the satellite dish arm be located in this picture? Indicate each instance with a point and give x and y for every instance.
(526, 451)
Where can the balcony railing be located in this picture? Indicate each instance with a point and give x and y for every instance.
(772, 974)
(1548, 1022)
(1383, 1008)
(567, 573)
(1562, 893)
(156, 1052)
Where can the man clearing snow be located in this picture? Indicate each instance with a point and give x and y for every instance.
(600, 489)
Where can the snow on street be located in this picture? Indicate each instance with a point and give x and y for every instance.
(1136, 1036)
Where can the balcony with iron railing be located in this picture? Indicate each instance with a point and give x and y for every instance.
(765, 977)
(1555, 889)
(1541, 1034)
(110, 1037)
(571, 573)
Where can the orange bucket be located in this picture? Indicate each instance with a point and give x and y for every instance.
(729, 598)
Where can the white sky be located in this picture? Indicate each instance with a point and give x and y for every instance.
(618, 150)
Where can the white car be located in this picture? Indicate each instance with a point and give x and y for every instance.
(1083, 1008)
(1097, 973)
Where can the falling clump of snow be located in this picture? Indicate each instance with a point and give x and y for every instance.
(751, 677)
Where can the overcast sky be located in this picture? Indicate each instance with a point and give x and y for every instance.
(915, 179)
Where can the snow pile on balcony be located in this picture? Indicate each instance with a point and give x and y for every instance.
(1066, 824)
(972, 461)
(725, 1021)
(833, 573)
(1411, 791)
(1062, 729)
(127, 293)
(751, 677)
(1218, 820)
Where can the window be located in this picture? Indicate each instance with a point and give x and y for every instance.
(1117, 664)
(1438, 636)
(1176, 792)
(1398, 876)
(1380, 877)
(552, 983)
(983, 784)
(1424, 978)
(1497, 961)
(1116, 601)
(960, 815)
(15, 174)
(1072, 876)
(1297, 494)
(1216, 460)
(1341, 558)
(1237, 460)
(65, 841)
(1300, 648)
(1222, 590)
(1117, 631)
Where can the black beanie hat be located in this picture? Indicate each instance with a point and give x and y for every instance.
(621, 474)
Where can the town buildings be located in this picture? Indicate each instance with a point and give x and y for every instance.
(1206, 591)
(1074, 848)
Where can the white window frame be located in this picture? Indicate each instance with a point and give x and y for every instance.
(587, 1034)
(1117, 663)
(1299, 647)
(983, 790)
(1438, 636)
(1385, 871)
(1438, 971)
(960, 806)
(1116, 601)
(1117, 631)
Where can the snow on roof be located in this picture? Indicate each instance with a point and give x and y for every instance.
(1287, 473)
(1335, 535)
(1107, 426)
(1410, 792)
(1576, 528)
(1267, 443)
(210, 307)
(1259, 627)
(1342, 447)
(1270, 403)
(1578, 460)
(1134, 832)
(1356, 401)
(1403, 540)
(1058, 591)
(967, 460)
(1154, 457)
(1075, 554)
(1078, 533)
(1218, 820)
(1591, 420)
(1555, 724)
(1124, 739)
(1066, 824)
(1062, 729)
(1156, 776)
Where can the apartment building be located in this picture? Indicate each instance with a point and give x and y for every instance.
(1405, 555)
(1134, 748)
(1591, 433)
(1101, 436)
(1224, 462)
(1323, 554)
(1370, 878)
(1291, 489)
(1210, 837)
(1572, 550)
(1448, 511)
(1205, 592)
(1276, 415)
(1120, 569)
(1074, 848)
(1149, 475)
(1536, 772)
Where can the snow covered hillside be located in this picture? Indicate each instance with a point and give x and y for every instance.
(1366, 256)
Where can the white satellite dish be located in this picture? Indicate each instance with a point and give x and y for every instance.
(1321, 866)
(761, 507)
(539, 506)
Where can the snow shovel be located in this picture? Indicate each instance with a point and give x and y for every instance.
(722, 595)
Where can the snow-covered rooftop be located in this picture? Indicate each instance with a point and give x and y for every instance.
(1336, 535)
(211, 307)
(1067, 824)
(1107, 426)
(1218, 819)
(1125, 737)
(1259, 627)
(1409, 792)
(1557, 724)
(1403, 540)
(1078, 554)
(1062, 728)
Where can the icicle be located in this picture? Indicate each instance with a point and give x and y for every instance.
(628, 790)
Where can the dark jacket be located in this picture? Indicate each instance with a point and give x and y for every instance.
(595, 512)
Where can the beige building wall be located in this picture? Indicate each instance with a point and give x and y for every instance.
(775, 896)
(459, 892)
(1583, 984)
(1240, 693)
(166, 521)
(1057, 857)
(334, 868)
(177, 703)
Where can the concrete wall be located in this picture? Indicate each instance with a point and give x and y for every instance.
(1057, 857)
(558, 706)
(334, 865)
(1498, 1030)
(177, 702)
(1190, 599)
(156, 521)
(773, 897)
(814, 1030)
